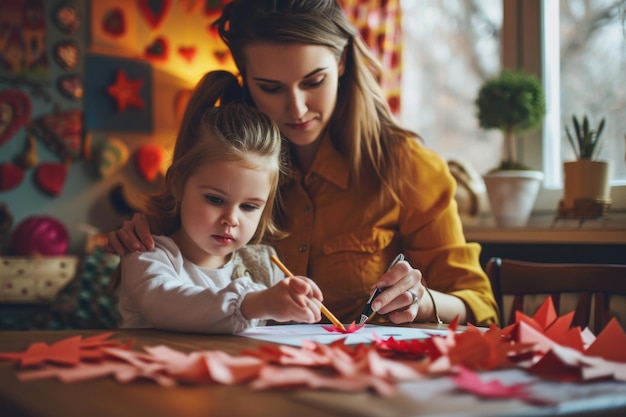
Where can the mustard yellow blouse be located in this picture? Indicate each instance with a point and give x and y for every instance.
(343, 237)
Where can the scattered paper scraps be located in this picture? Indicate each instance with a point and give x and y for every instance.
(541, 346)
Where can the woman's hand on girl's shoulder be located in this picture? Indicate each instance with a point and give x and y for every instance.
(133, 236)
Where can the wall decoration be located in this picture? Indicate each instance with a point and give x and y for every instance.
(149, 161)
(126, 92)
(67, 54)
(62, 131)
(102, 110)
(15, 109)
(113, 23)
(154, 12)
(191, 6)
(11, 176)
(28, 158)
(40, 235)
(23, 48)
(114, 26)
(187, 52)
(70, 86)
(213, 8)
(158, 50)
(112, 155)
(50, 177)
(66, 17)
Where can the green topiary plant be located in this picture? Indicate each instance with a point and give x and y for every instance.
(512, 102)
(586, 145)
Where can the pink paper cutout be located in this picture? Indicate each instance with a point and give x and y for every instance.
(353, 327)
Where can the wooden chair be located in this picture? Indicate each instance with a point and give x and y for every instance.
(590, 281)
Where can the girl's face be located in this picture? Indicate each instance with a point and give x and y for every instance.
(295, 85)
(220, 209)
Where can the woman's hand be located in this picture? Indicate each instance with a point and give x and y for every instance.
(404, 298)
(134, 235)
(292, 299)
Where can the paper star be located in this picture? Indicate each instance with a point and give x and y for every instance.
(126, 92)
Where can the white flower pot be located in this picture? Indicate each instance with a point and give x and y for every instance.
(512, 195)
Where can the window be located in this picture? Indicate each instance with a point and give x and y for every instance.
(452, 46)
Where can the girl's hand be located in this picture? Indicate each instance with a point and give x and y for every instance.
(292, 299)
(403, 295)
(134, 235)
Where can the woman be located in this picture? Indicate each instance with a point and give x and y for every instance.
(361, 189)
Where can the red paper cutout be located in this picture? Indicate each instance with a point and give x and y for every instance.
(15, 109)
(353, 327)
(50, 177)
(114, 23)
(471, 382)
(67, 351)
(126, 92)
(187, 52)
(10, 176)
(610, 343)
(148, 160)
(354, 368)
(154, 11)
(157, 50)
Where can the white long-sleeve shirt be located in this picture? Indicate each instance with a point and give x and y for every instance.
(162, 289)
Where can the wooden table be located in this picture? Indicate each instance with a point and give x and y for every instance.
(107, 398)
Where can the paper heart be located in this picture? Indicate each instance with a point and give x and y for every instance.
(10, 176)
(148, 160)
(187, 52)
(114, 23)
(67, 54)
(157, 50)
(15, 108)
(50, 177)
(71, 86)
(221, 56)
(154, 11)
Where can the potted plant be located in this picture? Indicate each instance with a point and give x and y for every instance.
(512, 102)
(586, 189)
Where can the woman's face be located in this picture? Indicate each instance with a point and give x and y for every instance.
(295, 85)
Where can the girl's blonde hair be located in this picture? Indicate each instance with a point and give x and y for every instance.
(209, 133)
(362, 126)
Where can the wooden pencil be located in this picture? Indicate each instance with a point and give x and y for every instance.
(325, 311)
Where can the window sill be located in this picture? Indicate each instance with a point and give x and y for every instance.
(542, 229)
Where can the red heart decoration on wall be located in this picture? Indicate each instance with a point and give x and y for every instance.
(50, 177)
(157, 50)
(15, 108)
(154, 11)
(187, 52)
(148, 160)
(114, 23)
(10, 176)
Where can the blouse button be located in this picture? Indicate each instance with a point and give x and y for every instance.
(302, 248)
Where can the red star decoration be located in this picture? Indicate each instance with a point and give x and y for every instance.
(126, 92)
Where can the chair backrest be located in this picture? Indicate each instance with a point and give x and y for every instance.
(590, 281)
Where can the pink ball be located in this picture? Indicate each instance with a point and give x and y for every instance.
(40, 235)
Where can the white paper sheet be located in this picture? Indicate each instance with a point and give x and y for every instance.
(294, 334)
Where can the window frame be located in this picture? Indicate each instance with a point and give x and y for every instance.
(522, 49)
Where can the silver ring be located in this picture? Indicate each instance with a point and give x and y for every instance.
(413, 297)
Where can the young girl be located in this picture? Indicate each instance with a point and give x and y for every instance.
(218, 196)
(361, 188)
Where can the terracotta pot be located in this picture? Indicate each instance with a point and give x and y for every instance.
(512, 195)
(585, 180)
